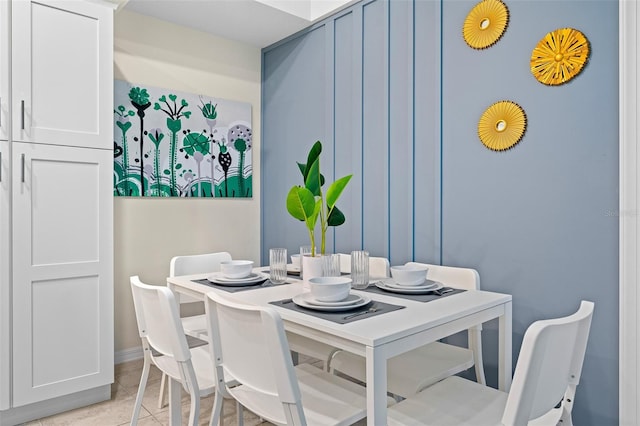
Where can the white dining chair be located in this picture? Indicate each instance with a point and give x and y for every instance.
(550, 363)
(409, 373)
(165, 346)
(250, 345)
(378, 268)
(195, 325)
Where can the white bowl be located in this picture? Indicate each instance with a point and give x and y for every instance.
(409, 274)
(330, 289)
(236, 268)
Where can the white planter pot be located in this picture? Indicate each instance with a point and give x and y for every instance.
(311, 268)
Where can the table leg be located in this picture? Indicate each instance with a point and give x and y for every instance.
(176, 294)
(175, 399)
(376, 387)
(505, 351)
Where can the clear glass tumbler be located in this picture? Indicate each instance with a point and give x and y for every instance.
(278, 265)
(304, 251)
(359, 269)
(330, 265)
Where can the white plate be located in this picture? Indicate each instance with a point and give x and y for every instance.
(253, 278)
(407, 290)
(299, 300)
(352, 299)
(428, 284)
(219, 276)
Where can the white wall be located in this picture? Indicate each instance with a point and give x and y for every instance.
(148, 232)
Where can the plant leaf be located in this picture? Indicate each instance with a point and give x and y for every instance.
(303, 168)
(300, 203)
(335, 189)
(313, 181)
(336, 217)
(313, 219)
(314, 154)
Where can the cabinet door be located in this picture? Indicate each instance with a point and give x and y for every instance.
(5, 278)
(62, 270)
(5, 36)
(5, 193)
(62, 79)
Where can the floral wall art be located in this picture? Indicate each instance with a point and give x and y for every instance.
(173, 144)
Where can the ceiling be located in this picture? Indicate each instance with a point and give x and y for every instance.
(255, 22)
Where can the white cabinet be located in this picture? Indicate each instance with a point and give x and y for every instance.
(56, 212)
(5, 276)
(62, 333)
(5, 36)
(59, 53)
(5, 194)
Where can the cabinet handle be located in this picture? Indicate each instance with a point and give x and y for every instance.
(0, 166)
(22, 168)
(0, 112)
(22, 114)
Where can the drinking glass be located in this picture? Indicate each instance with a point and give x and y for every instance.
(278, 265)
(295, 261)
(359, 269)
(330, 265)
(304, 251)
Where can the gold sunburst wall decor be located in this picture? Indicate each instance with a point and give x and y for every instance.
(502, 125)
(485, 24)
(559, 56)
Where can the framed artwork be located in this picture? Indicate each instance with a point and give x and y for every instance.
(173, 144)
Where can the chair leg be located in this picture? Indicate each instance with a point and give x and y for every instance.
(194, 413)
(240, 414)
(141, 388)
(216, 413)
(476, 345)
(163, 382)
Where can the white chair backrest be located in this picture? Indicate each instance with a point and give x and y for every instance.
(252, 348)
(158, 320)
(451, 276)
(197, 263)
(550, 360)
(378, 266)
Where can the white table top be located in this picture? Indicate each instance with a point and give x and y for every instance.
(370, 331)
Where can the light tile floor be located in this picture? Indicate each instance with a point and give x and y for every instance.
(117, 411)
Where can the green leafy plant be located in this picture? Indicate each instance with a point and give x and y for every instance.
(308, 203)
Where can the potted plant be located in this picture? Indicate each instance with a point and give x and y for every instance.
(308, 203)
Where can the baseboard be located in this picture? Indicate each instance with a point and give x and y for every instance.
(127, 355)
(38, 410)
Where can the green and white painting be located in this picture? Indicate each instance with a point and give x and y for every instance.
(173, 144)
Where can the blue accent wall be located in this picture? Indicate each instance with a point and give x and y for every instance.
(395, 94)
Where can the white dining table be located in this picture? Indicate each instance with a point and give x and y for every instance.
(380, 337)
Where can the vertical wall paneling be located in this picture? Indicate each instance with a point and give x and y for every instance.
(348, 125)
(294, 107)
(401, 164)
(328, 158)
(380, 122)
(375, 137)
(427, 139)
